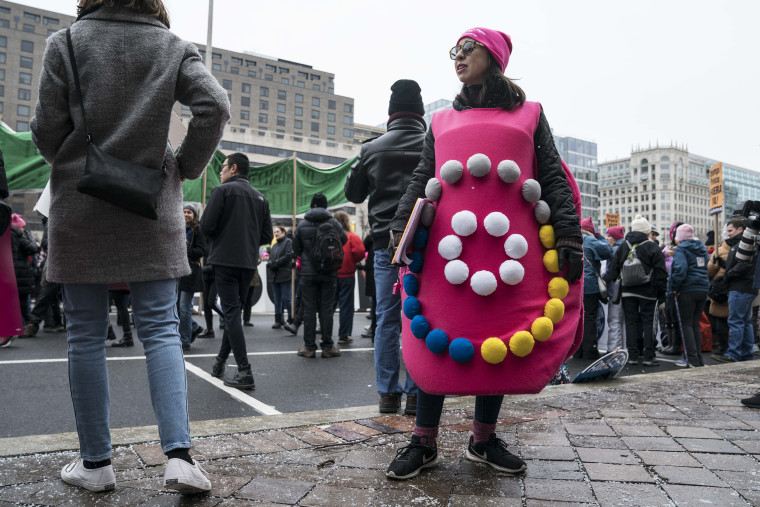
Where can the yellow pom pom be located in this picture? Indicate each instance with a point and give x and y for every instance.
(558, 287)
(555, 310)
(551, 261)
(521, 343)
(541, 329)
(493, 350)
(546, 235)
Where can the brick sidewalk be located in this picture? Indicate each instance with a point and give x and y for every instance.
(672, 438)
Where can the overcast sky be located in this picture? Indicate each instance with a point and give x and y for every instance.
(620, 73)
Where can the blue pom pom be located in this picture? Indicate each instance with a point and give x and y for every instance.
(420, 327)
(412, 307)
(437, 341)
(411, 285)
(420, 239)
(461, 350)
(417, 262)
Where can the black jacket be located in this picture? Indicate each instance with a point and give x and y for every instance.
(554, 188)
(383, 171)
(22, 246)
(653, 260)
(739, 274)
(235, 223)
(281, 260)
(196, 249)
(305, 234)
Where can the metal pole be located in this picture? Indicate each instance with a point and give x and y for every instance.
(293, 269)
(209, 47)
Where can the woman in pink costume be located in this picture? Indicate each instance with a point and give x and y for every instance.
(488, 304)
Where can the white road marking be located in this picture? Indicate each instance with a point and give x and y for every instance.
(252, 402)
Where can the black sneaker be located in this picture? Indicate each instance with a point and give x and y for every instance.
(494, 452)
(208, 333)
(195, 334)
(753, 402)
(217, 370)
(412, 458)
(243, 379)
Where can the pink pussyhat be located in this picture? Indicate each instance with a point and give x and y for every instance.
(498, 43)
(17, 221)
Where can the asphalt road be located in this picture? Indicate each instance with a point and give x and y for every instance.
(35, 394)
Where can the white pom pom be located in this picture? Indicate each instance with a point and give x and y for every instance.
(497, 224)
(464, 223)
(456, 272)
(483, 283)
(428, 215)
(509, 171)
(479, 165)
(531, 190)
(516, 246)
(433, 189)
(451, 171)
(542, 212)
(511, 272)
(450, 247)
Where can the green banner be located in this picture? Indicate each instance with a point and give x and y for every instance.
(25, 168)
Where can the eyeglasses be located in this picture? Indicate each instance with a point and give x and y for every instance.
(466, 48)
(221, 168)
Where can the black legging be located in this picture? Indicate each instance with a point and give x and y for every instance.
(209, 301)
(430, 406)
(691, 305)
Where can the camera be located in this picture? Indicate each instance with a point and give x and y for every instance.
(750, 211)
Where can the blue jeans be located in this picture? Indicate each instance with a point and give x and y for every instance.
(186, 316)
(388, 330)
(281, 293)
(346, 305)
(154, 305)
(740, 335)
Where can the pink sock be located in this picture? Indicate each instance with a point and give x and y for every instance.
(481, 431)
(429, 433)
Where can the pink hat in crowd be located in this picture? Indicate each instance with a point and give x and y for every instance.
(684, 232)
(17, 221)
(617, 232)
(498, 43)
(588, 225)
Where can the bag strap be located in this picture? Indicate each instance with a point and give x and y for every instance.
(76, 82)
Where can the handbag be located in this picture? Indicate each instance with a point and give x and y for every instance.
(130, 186)
(603, 293)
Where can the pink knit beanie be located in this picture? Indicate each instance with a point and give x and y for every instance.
(588, 225)
(684, 232)
(498, 43)
(17, 221)
(616, 232)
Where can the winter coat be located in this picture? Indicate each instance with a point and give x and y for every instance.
(196, 249)
(688, 273)
(668, 258)
(132, 70)
(353, 252)
(652, 259)
(716, 267)
(306, 233)
(281, 260)
(235, 223)
(383, 171)
(22, 246)
(595, 250)
(369, 267)
(738, 273)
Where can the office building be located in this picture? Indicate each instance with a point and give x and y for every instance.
(580, 157)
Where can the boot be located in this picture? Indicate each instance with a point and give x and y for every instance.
(674, 340)
(111, 335)
(277, 321)
(126, 341)
(292, 328)
(217, 370)
(31, 330)
(243, 379)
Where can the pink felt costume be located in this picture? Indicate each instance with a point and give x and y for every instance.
(457, 309)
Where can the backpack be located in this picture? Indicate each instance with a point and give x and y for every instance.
(633, 271)
(326, 250)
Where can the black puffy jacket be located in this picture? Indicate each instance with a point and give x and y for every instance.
(653, 260)
(196, 249)
(280, 260)
(306, 232)
(22, 246)
(384, 170)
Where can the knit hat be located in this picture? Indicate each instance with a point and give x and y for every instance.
(587, 224)
(684, 232)
(318, 201)
(641, 224)
(617, 232)
(17, 221)
(405, 96)
(673, 228)
(194, 208)
(498, 43)
(654, 230)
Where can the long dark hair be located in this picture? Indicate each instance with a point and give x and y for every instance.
(497, 91)
(153, 8)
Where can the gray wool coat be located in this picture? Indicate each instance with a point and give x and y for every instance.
(132, 70)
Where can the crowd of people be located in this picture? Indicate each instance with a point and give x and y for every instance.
(216, 251)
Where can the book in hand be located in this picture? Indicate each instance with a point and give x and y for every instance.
(400, 258)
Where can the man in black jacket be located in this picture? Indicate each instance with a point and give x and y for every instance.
(318, 289)
(383, 171)
(235, 223)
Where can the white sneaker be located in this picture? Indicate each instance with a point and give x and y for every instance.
(186, 478)
(98, 479)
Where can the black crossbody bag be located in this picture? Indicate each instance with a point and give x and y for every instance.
(128, 185)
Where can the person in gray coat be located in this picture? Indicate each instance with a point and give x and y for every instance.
(132, 71)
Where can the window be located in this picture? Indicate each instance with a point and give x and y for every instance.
(32, 16)
(281, 108)
(331, 129)
(270, 67)
(234, 70)
(23, 110)
(282, 95)
(26, 62)
(348, 108)
(3, 41)
(24, 78)
(315, 114)
(246, 88)
(4, 23)
(24, 94)
(2, 90)
(330, 116)
(2, 74)
(236, 60)
(1, 107)
(280, 133)
(263, 118)
(316, 87)
(227, 84)
(250, 63)
(314, 126)
(284, 80)
(331, 104)
(283, 70)
(6, 10)
(22, 126)
(245, 115)
(216, 56)
(216, 66)
(251, 73)
(49, 21)
(28, 28)
(264, 91)
(315, 77)
(299, 98)
(348, 132)
(2, 57)
(268, 77)
(304, 75)
(299, 111)
(280, 121)
(347, 120)
(315, 101)
(298, 124)
(330, 91)
(314, 140)
(27, 46)
(245, 101)
(263, 104)
(301, 84)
